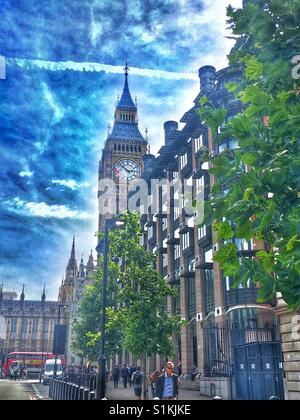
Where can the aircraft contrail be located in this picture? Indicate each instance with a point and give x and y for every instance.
(28, 64)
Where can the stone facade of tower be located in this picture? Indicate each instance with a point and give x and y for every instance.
(71, 293)
(122, 156)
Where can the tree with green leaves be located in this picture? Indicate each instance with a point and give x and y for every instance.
(148, 328)
(257, 188)
(137, 319)
(87, 326)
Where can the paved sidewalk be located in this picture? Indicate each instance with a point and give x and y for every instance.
(128, 393)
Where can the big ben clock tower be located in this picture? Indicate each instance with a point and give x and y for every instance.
(124, 149)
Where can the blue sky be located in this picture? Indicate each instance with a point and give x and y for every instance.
(54, 116)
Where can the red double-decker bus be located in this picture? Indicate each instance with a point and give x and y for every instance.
(33, 361)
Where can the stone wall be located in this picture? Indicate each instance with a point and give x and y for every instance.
(217, 386)
(290, 342)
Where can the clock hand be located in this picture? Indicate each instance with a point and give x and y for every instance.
(125, 168)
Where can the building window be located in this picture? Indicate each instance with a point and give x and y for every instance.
(164, 224)
(229, 282)
(165, 260)
(200, 184)
(198, 143)
(176, 252)
(230, 144)
(13, 328)
(191, 298)
(183, 161)
(150, 232)
(176, 213)
(34, 329)
(242, 244)
(208, 256)
(205, 166)
(202, 232)
(24, 327)
(45, 329)
(209, 291)
(186, 240)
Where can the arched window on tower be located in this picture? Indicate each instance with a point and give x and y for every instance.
(131, 148)
(127, 148)
(123, 148)
(119, 147)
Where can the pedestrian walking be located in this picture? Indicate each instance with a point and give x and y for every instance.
(132, 369)
(124, 375)
(137, 382)
(16, 373)
(116, 376)
(11, 373)
(167, 384)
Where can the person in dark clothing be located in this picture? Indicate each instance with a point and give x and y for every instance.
(132, 369)
(137, 381)
(179, 367)
(116, 376)
(167, 384)
(124, 375)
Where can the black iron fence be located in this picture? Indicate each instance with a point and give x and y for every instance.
(74, 386)
(82, 379)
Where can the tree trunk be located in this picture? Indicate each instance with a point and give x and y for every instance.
(145, 378)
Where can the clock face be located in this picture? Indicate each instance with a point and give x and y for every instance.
(127, 169)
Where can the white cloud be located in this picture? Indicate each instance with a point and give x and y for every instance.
(45, 210)
(26, 173)
(58, 112)
(70, 183)
(97, 67)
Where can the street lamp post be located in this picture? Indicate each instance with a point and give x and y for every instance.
(109, 224)
(55, 344)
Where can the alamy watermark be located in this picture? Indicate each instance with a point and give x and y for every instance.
(158, 197)
(296, 70)
(2, 68)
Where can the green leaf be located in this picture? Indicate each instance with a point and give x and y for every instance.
(224, 231)
(263, 254)
(203, 100)
(268, 264)
(267, 218)
(253, 69)
(248, 158)
(248, 193)
(291, 243)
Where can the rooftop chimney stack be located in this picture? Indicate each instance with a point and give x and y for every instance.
(169, 127)
(207, 78)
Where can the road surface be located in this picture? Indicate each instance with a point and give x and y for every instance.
(23, 390)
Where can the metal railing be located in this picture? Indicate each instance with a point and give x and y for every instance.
(74, 386)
